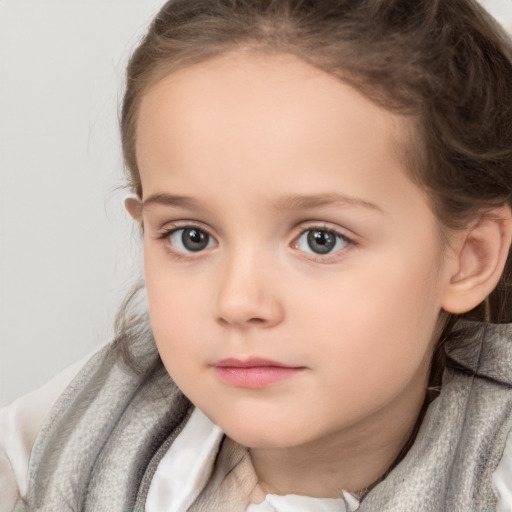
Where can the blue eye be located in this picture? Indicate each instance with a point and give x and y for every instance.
(321, 241)
(191, 239)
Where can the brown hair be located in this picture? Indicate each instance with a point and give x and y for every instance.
(444, 63)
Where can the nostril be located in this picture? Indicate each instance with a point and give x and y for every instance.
(256, 320)
(250, 321)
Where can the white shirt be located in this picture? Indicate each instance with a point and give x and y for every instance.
(172, 489)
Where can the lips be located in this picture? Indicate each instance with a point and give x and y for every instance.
(253, 373)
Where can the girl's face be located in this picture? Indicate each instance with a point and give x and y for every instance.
(294, 272)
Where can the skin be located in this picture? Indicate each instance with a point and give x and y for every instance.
(239, 136)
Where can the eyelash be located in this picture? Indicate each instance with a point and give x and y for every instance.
(330, 256)
(324, 258)
(165, 235)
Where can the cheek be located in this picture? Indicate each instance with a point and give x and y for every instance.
(174, 308)
(374, 327)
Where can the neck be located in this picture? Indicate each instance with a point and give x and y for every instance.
(353, 460)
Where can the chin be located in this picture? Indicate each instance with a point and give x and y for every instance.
(266, 436)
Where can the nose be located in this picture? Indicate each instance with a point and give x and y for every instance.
(248, 294)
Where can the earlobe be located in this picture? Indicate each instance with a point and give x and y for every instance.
(480, 258)
(133, 206)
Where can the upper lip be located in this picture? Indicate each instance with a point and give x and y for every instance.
(253, 362)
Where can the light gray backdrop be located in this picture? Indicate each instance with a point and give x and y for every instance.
(68, 252)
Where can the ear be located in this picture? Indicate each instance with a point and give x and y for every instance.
(480, 254)
(133, 206)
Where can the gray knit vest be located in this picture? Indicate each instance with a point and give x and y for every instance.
(100, 446)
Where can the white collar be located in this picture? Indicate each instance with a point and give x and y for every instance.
(186, 467)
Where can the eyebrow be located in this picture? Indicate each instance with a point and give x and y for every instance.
(292, 202)
(170, 200)
(300, 202)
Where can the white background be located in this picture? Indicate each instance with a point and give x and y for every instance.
(68, 253)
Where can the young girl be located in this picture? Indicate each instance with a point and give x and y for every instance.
(324, 190)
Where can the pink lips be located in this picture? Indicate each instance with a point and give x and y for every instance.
(253, 373)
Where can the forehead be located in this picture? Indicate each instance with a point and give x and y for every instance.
(271, 116)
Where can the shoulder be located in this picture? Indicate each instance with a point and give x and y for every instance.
(502, 478)
(20, 423)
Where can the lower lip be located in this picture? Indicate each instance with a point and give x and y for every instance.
(254, 377)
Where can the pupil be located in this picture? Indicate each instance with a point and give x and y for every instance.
(194, 239)
(321, 242)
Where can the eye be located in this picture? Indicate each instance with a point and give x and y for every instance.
(321, 241)
(189, 240)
